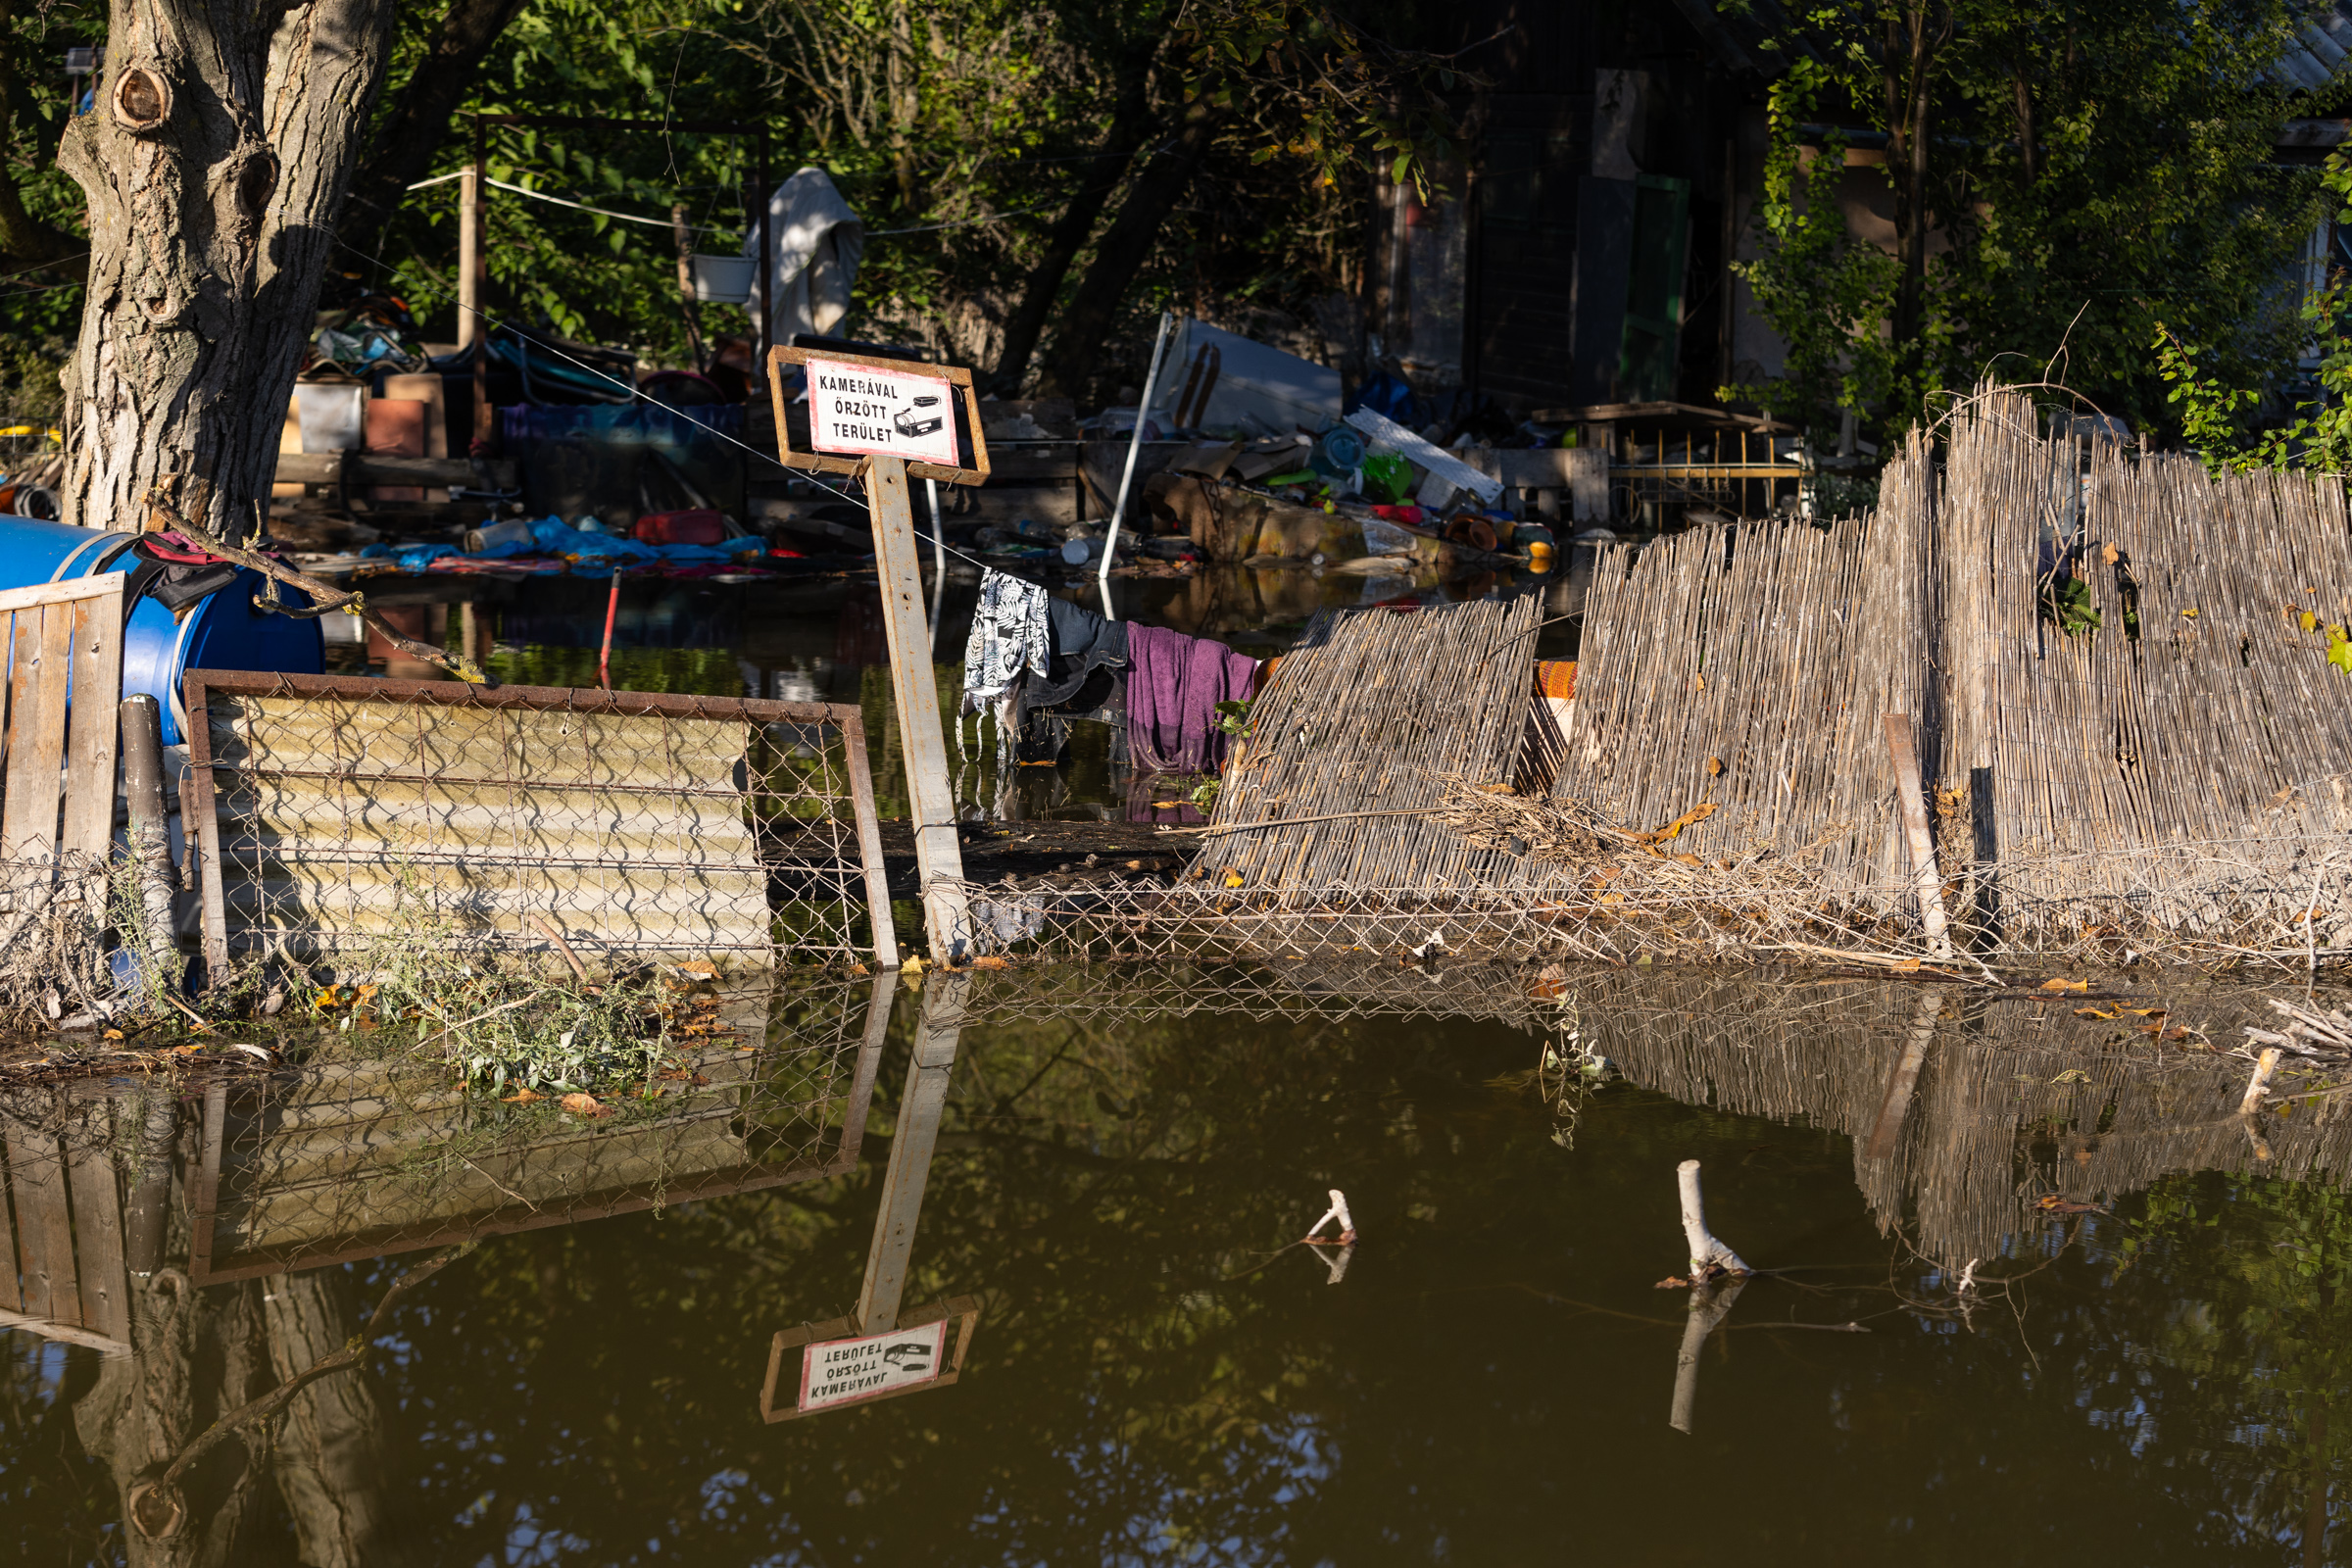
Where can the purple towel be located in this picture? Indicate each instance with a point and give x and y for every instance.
(1174, 684)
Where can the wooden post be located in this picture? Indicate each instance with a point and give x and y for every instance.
(470, 255)
(1905, 1080)
(1706, 1252)
(939, 859)
(912, 1142)
(1912, 798)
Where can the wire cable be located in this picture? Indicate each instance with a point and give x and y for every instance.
(491, 323)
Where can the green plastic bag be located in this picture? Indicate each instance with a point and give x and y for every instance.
(1387, 477)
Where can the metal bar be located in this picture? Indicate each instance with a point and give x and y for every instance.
(764, 273)
(870, 840)
(914, 687)
(470, 253)
(566, 699)
(860, 1104)
(484, 424)
(1118, 509)
(911, 1142)
(692, 127)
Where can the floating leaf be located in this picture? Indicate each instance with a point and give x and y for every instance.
(1714, 767)
(2308, 621)
(2092, 1012)
(579, 1104)
(523, 1097)
(2054, 983)
(991, 962)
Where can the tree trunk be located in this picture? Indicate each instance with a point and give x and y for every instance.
(413, 131)
(334, 1466)
(1087, 324)
(1130, 122)
(214, 162)
(1908, 63)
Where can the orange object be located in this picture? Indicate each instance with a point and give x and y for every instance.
(1556, 678)
(395, 428)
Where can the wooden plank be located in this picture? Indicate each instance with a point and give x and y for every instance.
(11, 1299)
(36, 734)
(46, 1228)
(914, 691)
(13, 599)
(337, 468)
(92, 724)
(98, 1237)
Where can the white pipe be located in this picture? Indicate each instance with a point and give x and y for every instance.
(939, 562)
(1118, 511)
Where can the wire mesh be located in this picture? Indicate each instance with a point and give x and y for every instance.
(337, 816)
(359, 1157)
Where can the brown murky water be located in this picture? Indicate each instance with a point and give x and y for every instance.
(1081, 1191)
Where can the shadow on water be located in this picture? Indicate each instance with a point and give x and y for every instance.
(1007, 1268)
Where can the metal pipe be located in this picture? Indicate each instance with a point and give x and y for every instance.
(603, 658)
(939, 562)
(1118, 511)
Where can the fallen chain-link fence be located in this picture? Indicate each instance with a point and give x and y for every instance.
(335, 814)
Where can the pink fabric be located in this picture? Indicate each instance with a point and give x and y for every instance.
(1174, 684)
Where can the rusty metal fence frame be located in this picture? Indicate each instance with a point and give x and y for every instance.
(204, 789)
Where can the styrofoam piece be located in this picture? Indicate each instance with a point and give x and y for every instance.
(1439, 464)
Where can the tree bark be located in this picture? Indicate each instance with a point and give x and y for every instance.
(413, 131)
(214, 162)
(1130, 123)
(1086, 325)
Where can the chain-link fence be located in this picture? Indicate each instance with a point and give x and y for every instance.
(344, 818)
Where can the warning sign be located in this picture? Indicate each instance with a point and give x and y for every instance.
(835, 1372)
(863, 408)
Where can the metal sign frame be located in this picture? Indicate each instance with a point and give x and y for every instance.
(964, 1308)
(956, 376)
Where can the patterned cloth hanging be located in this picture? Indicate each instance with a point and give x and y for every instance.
(1009, 639)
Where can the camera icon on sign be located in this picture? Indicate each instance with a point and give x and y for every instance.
(916, 420)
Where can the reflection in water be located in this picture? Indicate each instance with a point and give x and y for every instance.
(1112, 1167)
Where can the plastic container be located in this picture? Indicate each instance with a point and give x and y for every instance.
(220, 632)
(1339, 452)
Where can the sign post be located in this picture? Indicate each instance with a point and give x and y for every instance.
(885, 421)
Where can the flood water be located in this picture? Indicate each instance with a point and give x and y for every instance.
(1099, 1177)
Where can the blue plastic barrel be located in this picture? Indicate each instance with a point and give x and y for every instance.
(222, 631)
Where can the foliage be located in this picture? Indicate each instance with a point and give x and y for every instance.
(1822, 290)
(2080, 170)
(2216, 413)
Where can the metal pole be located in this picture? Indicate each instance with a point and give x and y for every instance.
(150, 834)
(914, 687)
(484, 426)
(1118, 511)
(939, 560)
(911, 1142)
(763, 273)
